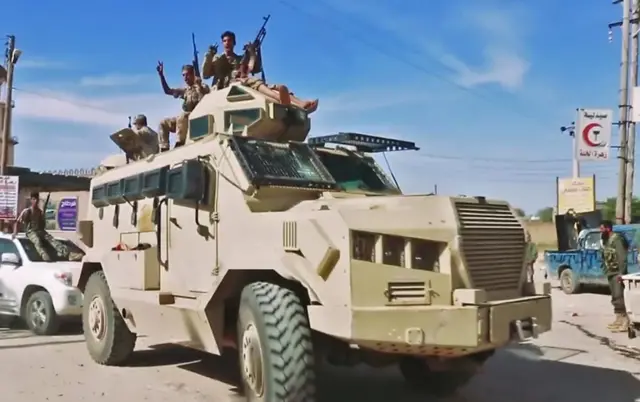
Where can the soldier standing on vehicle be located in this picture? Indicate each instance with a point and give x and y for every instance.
(34, 224)
(531, 256)
(191, 94)
(148, 136)
(614, 263)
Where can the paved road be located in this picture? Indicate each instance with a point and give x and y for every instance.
(577, 361)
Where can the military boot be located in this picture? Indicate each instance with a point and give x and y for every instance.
(623, 325)
(616, 323)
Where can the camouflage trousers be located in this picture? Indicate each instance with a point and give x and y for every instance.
(617, 294)
(41, 238)
(178, 125)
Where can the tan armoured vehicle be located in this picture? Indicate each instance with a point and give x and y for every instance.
(247, 238)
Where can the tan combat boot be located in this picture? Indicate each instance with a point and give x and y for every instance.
(623, 325)
(616, 323)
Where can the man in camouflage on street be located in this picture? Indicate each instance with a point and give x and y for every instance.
(614, 264)
(32, 218)
(530, 257)
(191, 94)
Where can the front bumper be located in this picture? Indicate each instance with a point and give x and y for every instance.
(67, 301)
(450, 330)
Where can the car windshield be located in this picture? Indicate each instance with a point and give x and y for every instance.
(33, 255)
(355, 173)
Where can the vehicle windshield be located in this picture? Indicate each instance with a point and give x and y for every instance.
(356, 173)
(33, 255)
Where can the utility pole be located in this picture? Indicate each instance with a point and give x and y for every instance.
(575, 165)
(631, 153)
(6, 129)
(624, 109)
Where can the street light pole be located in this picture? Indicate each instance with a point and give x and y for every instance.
(574, 154)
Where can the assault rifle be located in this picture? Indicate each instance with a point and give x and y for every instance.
(257, 45)
(196, 63)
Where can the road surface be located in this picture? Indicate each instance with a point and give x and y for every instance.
(578, 361)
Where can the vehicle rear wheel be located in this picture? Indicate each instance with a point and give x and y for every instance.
(274, 344)
(420, 377)
(107, 336)
(569, 282)
(40, 315)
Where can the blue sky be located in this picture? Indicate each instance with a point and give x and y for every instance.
(482, 86)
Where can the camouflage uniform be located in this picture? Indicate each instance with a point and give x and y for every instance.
(214, 63)
(530, 257)
(614, 264)
(148, 136)
(33, 221)
(191, 95)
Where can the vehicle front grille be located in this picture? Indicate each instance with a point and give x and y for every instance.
(492, 244)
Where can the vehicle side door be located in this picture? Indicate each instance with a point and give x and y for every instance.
(591, 267)
(9, 277)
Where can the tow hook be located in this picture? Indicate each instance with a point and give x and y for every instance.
(526, 329)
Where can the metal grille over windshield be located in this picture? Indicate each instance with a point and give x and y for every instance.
(269, 163)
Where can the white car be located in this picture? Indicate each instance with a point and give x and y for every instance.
(39, 292)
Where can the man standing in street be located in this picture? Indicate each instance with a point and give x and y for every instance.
(531, 257)
(614, 264)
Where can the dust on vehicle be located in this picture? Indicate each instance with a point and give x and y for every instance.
(247, 237)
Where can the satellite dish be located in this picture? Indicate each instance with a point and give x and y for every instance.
(3, 75)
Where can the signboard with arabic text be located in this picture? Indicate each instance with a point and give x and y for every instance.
(577, 194)
(593, 134)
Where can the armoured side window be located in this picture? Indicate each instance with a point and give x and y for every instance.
(592, 241)
(7, 246)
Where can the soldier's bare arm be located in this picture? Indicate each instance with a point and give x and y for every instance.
(175, 92)
(19, 219)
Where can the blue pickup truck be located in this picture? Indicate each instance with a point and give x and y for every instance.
(583, 265)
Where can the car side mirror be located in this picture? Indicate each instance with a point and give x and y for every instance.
(10, 258)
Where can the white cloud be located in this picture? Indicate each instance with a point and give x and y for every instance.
(502, 32)
(114, 80)
(110, 111)
(27, 62)
(502, 67)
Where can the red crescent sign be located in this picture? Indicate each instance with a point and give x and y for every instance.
(585, 134)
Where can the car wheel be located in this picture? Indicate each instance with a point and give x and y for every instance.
(108, 339)
(40, 315)
(274, 345)
(569, 282)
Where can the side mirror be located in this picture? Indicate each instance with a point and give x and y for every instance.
(10, 258)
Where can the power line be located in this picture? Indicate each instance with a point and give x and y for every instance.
(398, 57)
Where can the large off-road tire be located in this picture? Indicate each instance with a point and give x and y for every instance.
(569, 282)
(418, 376)
(107, 336)
(40, 315)
(274, 345)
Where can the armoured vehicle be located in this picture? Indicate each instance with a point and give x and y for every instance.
(249, 239)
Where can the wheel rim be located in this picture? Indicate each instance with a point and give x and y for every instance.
(252, 360)
(97, 318)
(38, 314)
(566, 281)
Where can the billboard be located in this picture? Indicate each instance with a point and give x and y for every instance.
(9, 194)
(593, 134)
(577, 194)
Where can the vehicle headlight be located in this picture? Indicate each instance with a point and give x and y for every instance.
(64, 277)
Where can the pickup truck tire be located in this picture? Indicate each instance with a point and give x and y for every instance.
(275, 349)
(108, 339)
(40, 315)
(568, 282)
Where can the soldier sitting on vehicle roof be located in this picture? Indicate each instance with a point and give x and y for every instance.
(34, 223)
(228, 68)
